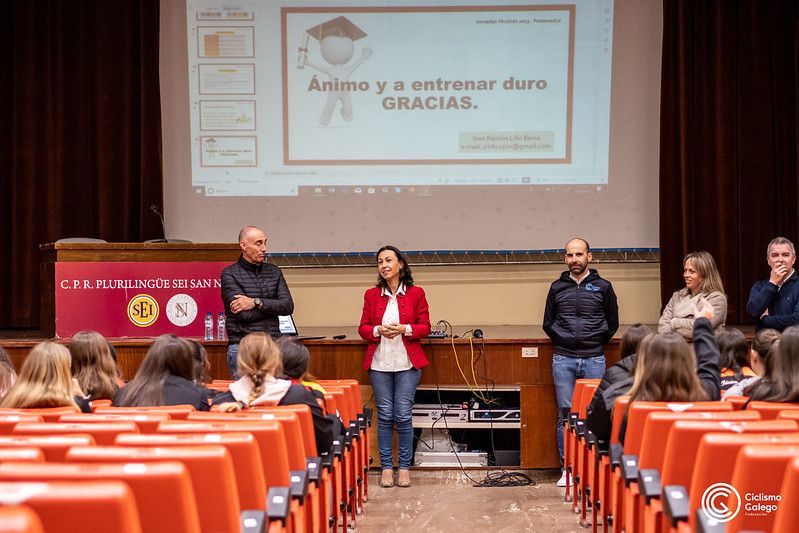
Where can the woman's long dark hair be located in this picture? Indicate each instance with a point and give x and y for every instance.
(734, 350)
(782, 385)
(405, 276)
(631, 339)
(168, 355)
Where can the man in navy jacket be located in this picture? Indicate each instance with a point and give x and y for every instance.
(774, 302)
(581, 315)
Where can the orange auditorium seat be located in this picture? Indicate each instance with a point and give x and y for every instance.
(175, 411)
(146, 422)
(162, 491)
(77, 507)
(19, 519)
(210, 470)
(54, 447)
(787, 516)
(48, 414)
(103, 432)
(19, 455)
(8, 421)
(770, 410)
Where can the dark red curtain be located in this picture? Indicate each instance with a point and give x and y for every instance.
(728, 152)
(81, 133)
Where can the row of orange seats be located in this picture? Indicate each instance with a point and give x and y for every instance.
(174, 469)
(672, 454)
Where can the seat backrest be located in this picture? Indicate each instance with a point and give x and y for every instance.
(162, 491)
(8, 421)
(54, 447)
(146, 422)
(788, 515)
(177, 412)
(658, 424)
(577, 392)
(353, 384)
(103, 432)
(95, 404)
(683, 444)
(759, 470)
(638, 411)
(77, 507)
(788, 415)
(48, 414)
(331, 404)
(210, 470)
(268, 433)
(244, 454)
(342, 405)
(737, 402)
(292, 429)
(716, 456)
(589, 389)
(16, 455)
(306, 421)
(19, 519)
(619, 408)
(770, 410)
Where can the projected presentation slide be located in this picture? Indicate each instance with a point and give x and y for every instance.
(388, 94)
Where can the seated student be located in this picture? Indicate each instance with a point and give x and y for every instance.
(760, 359)
(93, 366)
(781, 384)
(165, 377)
(668, 371)
(258, 363)
(7, 373)
(45, 381)
(616, 381)
(202, 368)
(734, 357)
(296, 360)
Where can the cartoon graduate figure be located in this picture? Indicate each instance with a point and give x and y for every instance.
(337, 43)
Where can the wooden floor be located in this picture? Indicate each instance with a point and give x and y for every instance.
(442, 501)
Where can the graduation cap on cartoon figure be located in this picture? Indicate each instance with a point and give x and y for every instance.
(336, 38)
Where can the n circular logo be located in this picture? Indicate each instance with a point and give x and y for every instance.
(143, 310)
(181, 310)
(721, 502)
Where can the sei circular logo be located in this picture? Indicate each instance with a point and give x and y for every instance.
(143, 310)
(715, 501)
(181, 310)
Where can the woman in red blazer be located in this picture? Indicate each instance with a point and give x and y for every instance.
(394, 320)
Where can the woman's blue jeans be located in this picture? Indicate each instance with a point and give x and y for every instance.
(394, 392)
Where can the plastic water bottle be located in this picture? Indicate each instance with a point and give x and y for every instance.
(221, 333)
(209, 326)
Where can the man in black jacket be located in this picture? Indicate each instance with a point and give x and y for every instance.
(581, 315)
(255, 294)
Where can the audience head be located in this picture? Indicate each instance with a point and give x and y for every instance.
(167, 356)
(666, 371)
(577, 256)
(7, 373)
(295, 357)
(259, 358)
(631, 339)
(202, 367)
(784, 376)
(93, 365)
(44, 379)
(392, 264)
(734, 351)
(762, 349)
(701, 274)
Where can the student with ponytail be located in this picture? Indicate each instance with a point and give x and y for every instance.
(259, 362)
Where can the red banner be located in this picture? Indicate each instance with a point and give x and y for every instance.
(137, 299)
